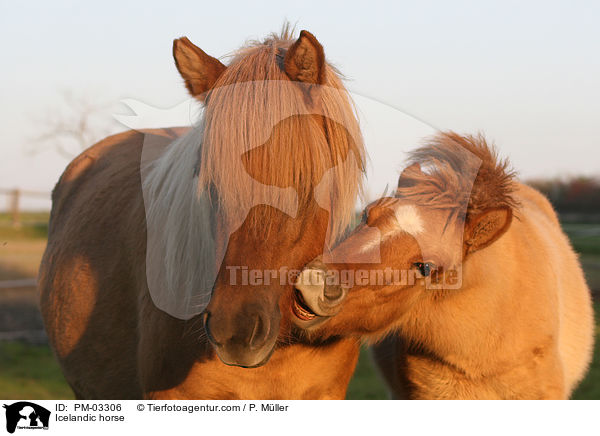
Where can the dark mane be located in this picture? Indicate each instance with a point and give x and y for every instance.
(458, 172)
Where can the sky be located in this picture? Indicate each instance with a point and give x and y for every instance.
(526, 74)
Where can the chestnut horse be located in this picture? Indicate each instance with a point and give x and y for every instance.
(472, 278)
(278, 151)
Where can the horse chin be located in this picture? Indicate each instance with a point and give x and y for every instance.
(309, 324)
(245, 360)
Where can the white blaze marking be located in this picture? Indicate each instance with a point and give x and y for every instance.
(408, 221)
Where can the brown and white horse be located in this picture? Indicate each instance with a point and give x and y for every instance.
(277, 120)
(469, 274)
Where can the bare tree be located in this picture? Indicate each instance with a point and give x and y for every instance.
(75, 123)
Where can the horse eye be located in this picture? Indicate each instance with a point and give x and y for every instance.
(425, 268)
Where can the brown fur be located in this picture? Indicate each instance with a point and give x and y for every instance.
(110, 339)
(305, 59)
(197, 82)
(520, 326)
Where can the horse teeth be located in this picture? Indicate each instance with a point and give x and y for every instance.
(301, 312)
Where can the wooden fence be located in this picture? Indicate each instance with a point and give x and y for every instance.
(14, 202)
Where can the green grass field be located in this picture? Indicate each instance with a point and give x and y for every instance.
(585, 237)
(589, 389)
(34, 225)
(30, 371)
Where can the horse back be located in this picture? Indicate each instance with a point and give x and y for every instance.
(575, 311)
(94, 265)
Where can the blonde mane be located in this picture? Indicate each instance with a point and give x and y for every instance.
(253, 106)
(457, 172)
(260, 141)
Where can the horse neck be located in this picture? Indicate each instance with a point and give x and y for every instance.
(469, 325)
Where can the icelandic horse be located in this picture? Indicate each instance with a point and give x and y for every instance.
(277, 151)
(464, 281)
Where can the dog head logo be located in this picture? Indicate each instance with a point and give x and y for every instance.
(26, 415)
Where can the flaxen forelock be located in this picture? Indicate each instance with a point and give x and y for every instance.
(255, 104)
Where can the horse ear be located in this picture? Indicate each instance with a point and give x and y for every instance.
(408, 176)
(199, 70)
(486, 227)
(305, 60)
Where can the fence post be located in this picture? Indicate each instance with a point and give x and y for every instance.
(13, 207)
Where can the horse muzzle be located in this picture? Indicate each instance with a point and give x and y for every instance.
(246, 339)
(318, 295)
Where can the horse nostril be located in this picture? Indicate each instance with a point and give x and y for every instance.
(211, 338)
(333, 292)
(260, 332)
